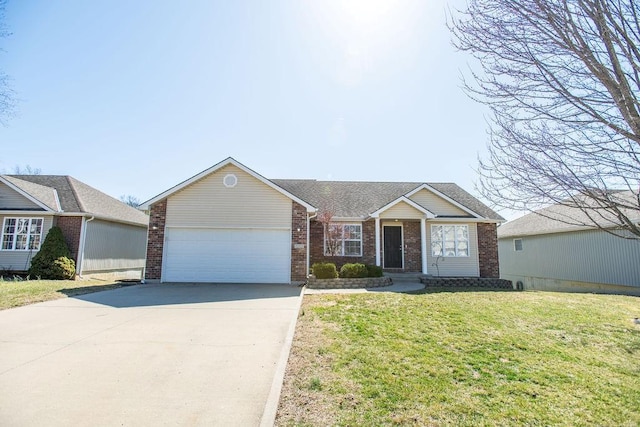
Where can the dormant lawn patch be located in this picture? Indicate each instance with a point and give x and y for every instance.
(466, 358)
(15, 293)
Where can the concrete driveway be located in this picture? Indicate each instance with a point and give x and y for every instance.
(183, 354)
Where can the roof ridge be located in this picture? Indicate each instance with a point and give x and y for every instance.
(75, 193)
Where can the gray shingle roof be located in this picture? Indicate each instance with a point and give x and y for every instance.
(561, 218)
(78, 197)
(358, 199)
(44, 194)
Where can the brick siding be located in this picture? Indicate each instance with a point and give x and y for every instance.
(412, 249)
(71, 227)
(155, 243)
(488, 250)
(299, 239)
(368, 246)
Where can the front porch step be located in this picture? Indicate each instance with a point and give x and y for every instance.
(404, 277)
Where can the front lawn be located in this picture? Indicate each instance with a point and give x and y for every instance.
(14, 293)
(467, 358)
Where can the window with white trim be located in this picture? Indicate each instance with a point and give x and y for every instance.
(450, 240)
(343, 239)
(517, 245)
(21, 234)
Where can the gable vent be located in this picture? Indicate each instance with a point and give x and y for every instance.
(230, 180)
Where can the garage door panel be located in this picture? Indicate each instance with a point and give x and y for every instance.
(227, 255)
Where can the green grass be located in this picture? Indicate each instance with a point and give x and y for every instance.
(469, 358)
(15, 293)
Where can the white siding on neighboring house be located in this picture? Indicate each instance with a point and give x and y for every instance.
(208, 203)
(21, 260)
(454, 266)
(402, 210)
(436, 204)
(554, 260)
(11, 199)
(113, 246)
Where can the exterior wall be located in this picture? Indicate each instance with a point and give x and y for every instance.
(155, 241)
(208, 203)
(11, 199)
(402, 210)
(113, 246)
(488, 250)
(316, 238)
(436, 204)
(589, 261)
(21, 260)
(412, 249)
(298, 242)
(454, 266)
(71, 227)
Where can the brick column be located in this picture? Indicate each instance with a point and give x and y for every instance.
(298, 242)
(71, 227)
(488, 250)
(155, 241)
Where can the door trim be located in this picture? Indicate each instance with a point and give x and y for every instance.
(394, 224)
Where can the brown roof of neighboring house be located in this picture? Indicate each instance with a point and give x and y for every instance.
(355, 199)
(76, 197)
(561, 218)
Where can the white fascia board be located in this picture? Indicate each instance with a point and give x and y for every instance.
(445, 197)
(467, 220)
(102, 218)
(29, 196)
(567, 229)
(26, 213)
(348, 219)
(228, 161)
(408, 201)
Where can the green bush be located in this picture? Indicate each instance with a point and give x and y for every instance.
(324, 270)
(353, 270)
(374, 271)
(53, 259)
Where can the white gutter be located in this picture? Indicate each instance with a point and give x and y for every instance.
(83, 231)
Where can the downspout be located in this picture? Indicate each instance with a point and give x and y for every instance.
(83, 232)
(309, 218)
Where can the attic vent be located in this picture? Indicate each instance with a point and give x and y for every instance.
(230, 180)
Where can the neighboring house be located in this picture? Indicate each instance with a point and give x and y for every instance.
(105, 236)
(553, 249)
(230, 224)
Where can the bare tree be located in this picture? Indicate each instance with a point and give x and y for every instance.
(562, 81)
(26, 170)
(7, 101)
(332, 233)
(130, 200)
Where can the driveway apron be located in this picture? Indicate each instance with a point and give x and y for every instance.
(179, 354)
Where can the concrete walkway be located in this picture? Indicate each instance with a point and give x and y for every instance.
(147, 355)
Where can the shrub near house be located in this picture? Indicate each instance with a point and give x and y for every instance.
(53, 260)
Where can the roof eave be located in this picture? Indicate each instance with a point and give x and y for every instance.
(228, 161)
(428, 214)
(425, 186)
(28, 195)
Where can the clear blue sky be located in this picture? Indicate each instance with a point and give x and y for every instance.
(133, 97)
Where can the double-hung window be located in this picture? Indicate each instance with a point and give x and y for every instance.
(450, 240)
(21, 234)
(343, 239)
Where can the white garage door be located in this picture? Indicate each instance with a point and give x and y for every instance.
(227, 255)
